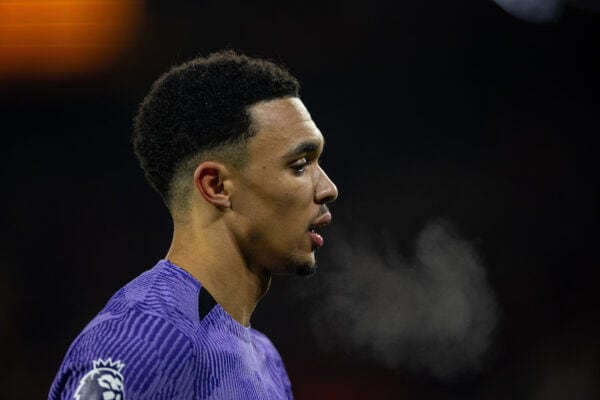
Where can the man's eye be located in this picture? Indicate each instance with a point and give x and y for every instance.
(300, 165)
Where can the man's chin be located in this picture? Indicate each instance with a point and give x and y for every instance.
(306, 269)
(298, 266)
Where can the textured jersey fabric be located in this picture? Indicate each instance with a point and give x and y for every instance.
(163, 337)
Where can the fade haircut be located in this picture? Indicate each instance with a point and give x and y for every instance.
(200, 110)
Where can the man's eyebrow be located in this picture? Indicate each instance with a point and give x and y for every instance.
(303, 148)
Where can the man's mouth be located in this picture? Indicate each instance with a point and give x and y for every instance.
(322, 220)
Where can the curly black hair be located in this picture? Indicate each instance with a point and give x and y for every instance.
(199, 109)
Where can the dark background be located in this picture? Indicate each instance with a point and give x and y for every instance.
(452, 109)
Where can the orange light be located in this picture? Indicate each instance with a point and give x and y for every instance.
(56, 37)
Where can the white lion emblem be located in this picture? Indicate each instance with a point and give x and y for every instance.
(103, 382)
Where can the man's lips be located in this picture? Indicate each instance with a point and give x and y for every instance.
(322, 220)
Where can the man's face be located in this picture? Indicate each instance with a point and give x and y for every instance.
(280, 195)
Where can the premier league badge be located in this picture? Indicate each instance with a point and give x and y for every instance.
(103, 382)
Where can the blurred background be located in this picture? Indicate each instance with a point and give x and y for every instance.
(462, 136)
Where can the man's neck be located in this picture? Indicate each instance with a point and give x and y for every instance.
(221, 270)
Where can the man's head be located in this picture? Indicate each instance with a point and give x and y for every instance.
(227, 142)
(200, 110)
(278, 200)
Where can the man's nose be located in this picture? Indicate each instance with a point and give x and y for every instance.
(326, 191)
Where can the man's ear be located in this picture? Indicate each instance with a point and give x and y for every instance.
(209, 179)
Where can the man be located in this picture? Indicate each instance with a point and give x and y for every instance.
(234, 153)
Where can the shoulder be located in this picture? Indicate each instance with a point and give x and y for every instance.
(266, 350)
(278, 384)
(135, 353)
(144, 339)
(262, 340)
(165, 290)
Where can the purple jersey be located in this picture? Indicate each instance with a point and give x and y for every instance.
(162, 336)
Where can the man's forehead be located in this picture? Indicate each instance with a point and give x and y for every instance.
(285, 111)
(284, 122)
